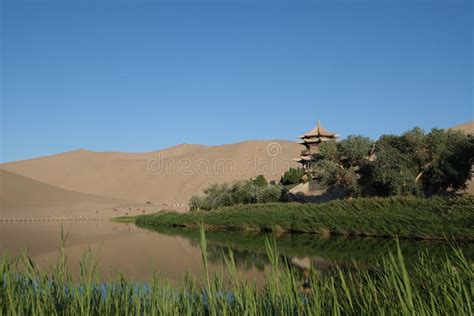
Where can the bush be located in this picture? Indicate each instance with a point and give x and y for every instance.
(195, 203)
(260, 181)
(240, 192)
(269, 194)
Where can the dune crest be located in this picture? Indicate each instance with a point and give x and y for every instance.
(169, 176)
(467, 128)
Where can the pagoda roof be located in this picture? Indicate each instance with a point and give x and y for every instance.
(311, 140)
(318, 132)
(303, 158)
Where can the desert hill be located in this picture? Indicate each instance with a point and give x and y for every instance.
(169, 176)
(20, 197)
(467, 128)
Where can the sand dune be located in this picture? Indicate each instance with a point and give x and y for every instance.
(22, 197)
(467, 128)
(170, 176)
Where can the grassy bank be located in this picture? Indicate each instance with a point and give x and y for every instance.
(405, 217)
(429, 288)
(124, 219)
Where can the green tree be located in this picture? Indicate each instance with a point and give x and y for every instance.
(292, 176)
(392, 173)
(450, 158)
(333, 175)
(339, 164)
(419, 163)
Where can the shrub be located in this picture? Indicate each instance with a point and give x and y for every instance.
(260, 181)
(268, 194)
(240, 192)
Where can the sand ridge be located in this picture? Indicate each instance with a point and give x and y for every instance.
(467, 128)
(170, 176)
(22, 197)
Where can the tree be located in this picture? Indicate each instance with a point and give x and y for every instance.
(339, 163)
(419, 163)
(412, 163)
(392, 172)
(292, 176)
(449, 162)
(354, 151)
(332, 175)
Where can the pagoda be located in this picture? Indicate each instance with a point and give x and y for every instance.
(311, 141)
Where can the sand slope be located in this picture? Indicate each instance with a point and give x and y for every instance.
(169, 176)
(467, 128)
(22, 197)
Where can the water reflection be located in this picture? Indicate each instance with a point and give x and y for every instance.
(311, 250)
(119, 248)
(140, 252)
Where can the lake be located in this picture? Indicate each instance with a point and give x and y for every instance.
(139, 252)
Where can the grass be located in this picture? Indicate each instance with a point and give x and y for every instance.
(405, 217)
(124, 219)
(441, 287)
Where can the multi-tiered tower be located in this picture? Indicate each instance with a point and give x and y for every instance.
(311, 141)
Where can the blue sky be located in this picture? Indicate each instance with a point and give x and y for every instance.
(142, 75)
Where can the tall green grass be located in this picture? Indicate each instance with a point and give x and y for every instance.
(430, 287)
(405, 217)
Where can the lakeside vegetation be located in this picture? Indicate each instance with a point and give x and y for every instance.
(414, 163)
(400, 185)
(124, 219)
(251, 191)
(430, 287)
(404, 216)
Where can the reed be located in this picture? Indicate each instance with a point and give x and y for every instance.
(429, 287)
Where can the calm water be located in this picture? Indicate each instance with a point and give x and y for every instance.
(138, 252)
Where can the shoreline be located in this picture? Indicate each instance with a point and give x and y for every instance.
(437, 218)
(8, 220)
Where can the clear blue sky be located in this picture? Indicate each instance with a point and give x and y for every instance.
(143, 75)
